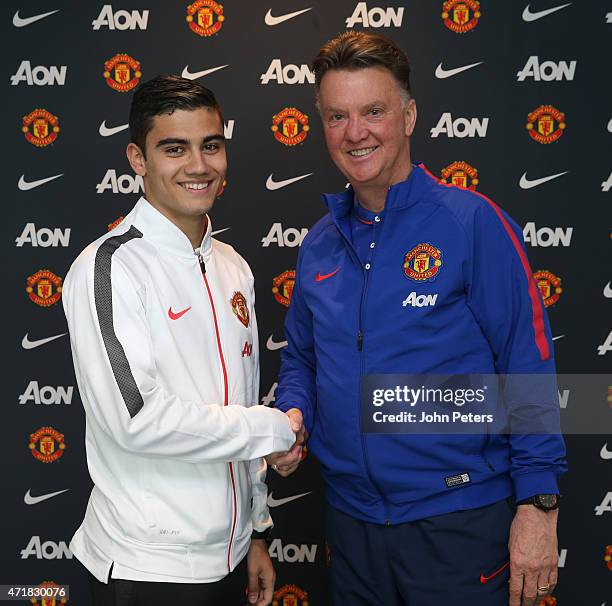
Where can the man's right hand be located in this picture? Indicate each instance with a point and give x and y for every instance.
(285, 463)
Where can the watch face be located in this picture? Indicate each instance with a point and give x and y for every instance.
(548, 501)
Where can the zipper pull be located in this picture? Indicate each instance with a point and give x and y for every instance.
(198, 254)
(359, 341)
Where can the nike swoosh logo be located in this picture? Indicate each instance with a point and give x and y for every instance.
(270, 20)
(608, 290)
(559, 337)
(27, 344)
(320, 278)
(24, 185)
(273, 345)
(272, 185)
(526, 183)
(219, 231)
(28, 499)
(485, 579)
(19, 22)
(107, 131)
(605, 453)
(195, 75)
(175, 316)
(529, 16)
(442, 73)
(610, 126)
(272, 502)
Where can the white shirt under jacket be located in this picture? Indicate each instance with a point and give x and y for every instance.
(174, 437)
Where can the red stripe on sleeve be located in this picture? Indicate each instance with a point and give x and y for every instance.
(534, 295)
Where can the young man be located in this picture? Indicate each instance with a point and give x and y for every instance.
(160, 317)
(415, 519)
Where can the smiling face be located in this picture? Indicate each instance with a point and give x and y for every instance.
(367, 124)
(184, 167)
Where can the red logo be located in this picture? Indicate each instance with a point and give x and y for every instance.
(547, 600)
(423, 262)
(40, 127)
(549, 285)
(460, 174)
(44, 288)
(290, 595)
(240, 309)
(320, 278)
(47, 445)
(546, 124)
(51, 594)
(201, 17)
(282, 287)
(286, 126)
(122, 73)
(247, 350)
(608, 557)
(178, 314)
(461, 16)
(484, 579)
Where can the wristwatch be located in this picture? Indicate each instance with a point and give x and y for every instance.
(545, 502)
(266, 535)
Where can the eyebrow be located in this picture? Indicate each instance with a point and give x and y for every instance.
(367, 105)
(176, 141)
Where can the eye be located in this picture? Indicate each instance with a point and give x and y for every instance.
(211, 147)
(175, 151)
(376, 112)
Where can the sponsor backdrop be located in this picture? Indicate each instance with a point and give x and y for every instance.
(513, 102)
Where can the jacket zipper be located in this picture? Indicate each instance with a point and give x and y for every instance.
(360, 337)
(225, 403)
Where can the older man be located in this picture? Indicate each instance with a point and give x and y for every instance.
(427, 519)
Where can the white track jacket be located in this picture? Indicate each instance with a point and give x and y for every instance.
(166, 360)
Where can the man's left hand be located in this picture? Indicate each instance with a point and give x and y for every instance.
(534, 555)
(261, 574)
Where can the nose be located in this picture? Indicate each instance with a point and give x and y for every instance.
(356, 129)
(196, 164)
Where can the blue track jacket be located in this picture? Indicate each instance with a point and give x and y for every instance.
(345, 321)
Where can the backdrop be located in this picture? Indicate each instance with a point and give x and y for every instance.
(514, 100)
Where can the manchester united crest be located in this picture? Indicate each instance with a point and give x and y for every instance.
(460, 174)
(290, 595)
(51, 594)
(549, 285)
(423, 262)
(290, 126)
(608, 557)
(240, 309)
(461, 16)
(548, 600)
(546, 124)
(47, 445)
(205, 17)
(122, 73)
(282, 287)
(40, 127)
(44, 288)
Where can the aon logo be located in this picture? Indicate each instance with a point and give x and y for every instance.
(415, 300)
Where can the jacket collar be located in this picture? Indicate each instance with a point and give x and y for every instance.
(165, 234)
(399, 196)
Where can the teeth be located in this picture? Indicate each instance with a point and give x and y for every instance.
(195, 185)
(357, 153)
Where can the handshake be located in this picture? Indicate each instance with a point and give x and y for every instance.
(285, 463)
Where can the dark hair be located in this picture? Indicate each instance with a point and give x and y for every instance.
(353, 50)
(164, 95)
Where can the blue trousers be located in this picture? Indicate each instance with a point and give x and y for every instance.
(460, 558)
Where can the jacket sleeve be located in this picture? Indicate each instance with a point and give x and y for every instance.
(260, 515)
(296, 382)
(118, 379)
(507, 305)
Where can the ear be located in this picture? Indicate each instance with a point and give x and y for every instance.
(136, 159)
(410, 117)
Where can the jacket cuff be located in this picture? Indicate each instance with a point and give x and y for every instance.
(529, 484)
